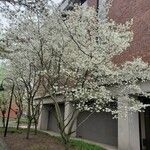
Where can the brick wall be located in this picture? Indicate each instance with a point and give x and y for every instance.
(139, 10)
(92, 3)
(12, 111)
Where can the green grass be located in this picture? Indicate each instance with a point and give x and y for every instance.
(23, 120)
(13, 130)
(81, 145)
(75, 145)
(21, 130)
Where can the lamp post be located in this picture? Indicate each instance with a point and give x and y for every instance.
(11, 98)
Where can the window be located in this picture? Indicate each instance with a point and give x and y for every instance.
(82, 1)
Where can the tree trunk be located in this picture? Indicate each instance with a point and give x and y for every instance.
(28, 129)
(29, 119)
(18, 121)
(66, 141)
(35, 125)
(67, 146)
(3, 119)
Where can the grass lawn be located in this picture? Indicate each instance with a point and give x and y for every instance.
(16, 140)
(13, 122)
(81, 145)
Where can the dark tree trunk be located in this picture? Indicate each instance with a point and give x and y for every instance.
(66, 141)
(3, 119)
(29, 119)
(67, 146)
(18, 121)
(35, 127)
(28, 129)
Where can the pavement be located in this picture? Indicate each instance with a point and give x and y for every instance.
(105, 146)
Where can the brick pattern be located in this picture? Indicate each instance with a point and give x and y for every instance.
(139, 10)
(92, 3)
(13, 110)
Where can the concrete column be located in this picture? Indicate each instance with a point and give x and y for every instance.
(43, 119)
(85, 4)
(102, 9)
(69, 110)
(128, 131)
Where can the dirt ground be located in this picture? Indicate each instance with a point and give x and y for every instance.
(41, 141)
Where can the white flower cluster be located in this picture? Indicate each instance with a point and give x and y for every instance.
(75, 53)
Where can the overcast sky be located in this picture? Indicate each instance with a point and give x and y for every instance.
(57, 1)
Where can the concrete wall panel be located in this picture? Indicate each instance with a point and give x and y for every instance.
(99, 127)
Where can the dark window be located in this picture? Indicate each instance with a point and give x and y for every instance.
(82, 1)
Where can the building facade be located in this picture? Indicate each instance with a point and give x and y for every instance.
(13, 111)
(132, 133)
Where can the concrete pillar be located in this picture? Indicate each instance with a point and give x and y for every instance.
(85, 4)
(102, 9)
(69, 111)
(128, 130)
(43, 119)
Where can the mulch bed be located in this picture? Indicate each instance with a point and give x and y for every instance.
(41, 141)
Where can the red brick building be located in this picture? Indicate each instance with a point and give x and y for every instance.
(13, 111)
(124, 10)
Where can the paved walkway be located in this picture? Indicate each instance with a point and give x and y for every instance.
(107, 147)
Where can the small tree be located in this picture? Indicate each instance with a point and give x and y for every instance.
(31, 81)
(27, 79)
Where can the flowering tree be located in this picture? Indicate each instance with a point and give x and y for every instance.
(71, 56)
(28, 75)
(3, 43)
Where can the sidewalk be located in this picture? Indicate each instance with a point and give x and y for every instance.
(105, 146)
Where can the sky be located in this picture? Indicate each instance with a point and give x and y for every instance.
(57, 1)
